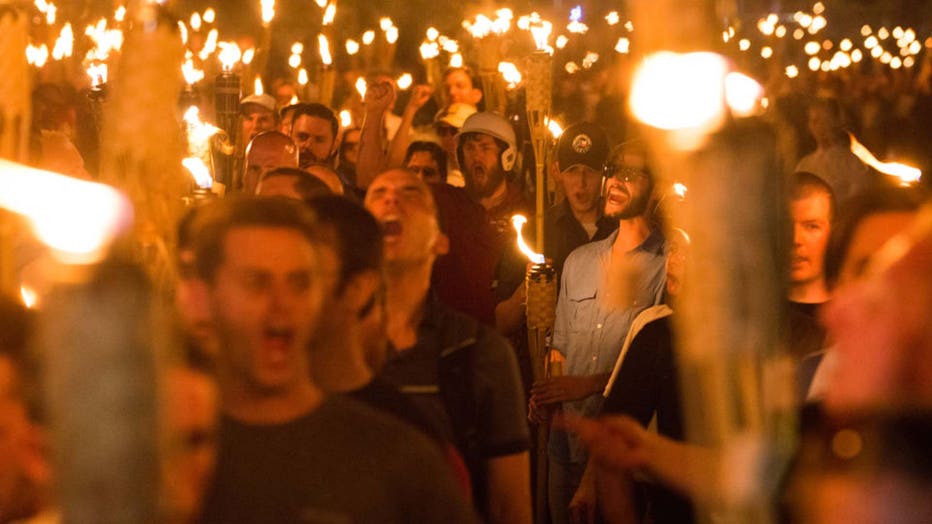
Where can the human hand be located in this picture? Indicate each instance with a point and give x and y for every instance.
(379, 97)
(538, 414)
(563, 389)
(419, 96)
(617, 443)
(584, 505)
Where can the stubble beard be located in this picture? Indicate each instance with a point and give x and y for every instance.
(636, 206)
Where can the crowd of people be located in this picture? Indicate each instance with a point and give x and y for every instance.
(353, 311)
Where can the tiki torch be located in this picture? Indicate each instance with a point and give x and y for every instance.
(538, 86)
(328, 74)
(541, 284)
(226, 105)
(488, 34)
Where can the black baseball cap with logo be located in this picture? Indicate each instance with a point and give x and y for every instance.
(583, 143)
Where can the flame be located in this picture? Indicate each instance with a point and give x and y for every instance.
(257, 86)
(321, 3)
(268, 11)
(385, 22)
(518, 222)
(294, 61)
(98, 74)
(612, 18)
(680, 189)
(297, 48)
(76, 218)
(391, 35)
(742, 94)
(429, 50)
(540, 30)
(590, 59)
(209, 15)
(64, 45)
(449, 45)
(352, 47)
(120, 14)
(329, 13)
(37, 56)
(623, 45)
(294, 100)
(210, 45)
(248, 55)
(195, 22)
(510, 73)
(105, 40)
(554, 127)
(229, 55)
(302, 77)
(346, 118)
(324, 45)
(183, 30)
(199, 171)
(48, 9)
(368, 37)
(456, 60)
(908, 175)
(404, 81)
(361, 87)
(432, 33)
(29, 296)
(192, 74)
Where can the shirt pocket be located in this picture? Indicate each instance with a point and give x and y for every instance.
(583, 308)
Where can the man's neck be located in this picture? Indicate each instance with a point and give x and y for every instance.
(632, 232)
(244, 405)
(340, 368)
(811, 292)
(406, 295)
(589, 216)
(497, 197)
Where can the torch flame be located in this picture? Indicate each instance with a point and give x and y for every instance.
(368, 37)
(540, 29)
(268, 11)
(429, 50)
(210, 45)
(391, 35)
(907, 175)
(518, 222)
(346, 118)
(195, 21)
(361, 87)
(76, 218)
(199, 171)
(555, 128)
(385, 22)
(456, 60)
(209, 15)
(229, 55)
(324, 46)
(352, 47)
(98, 74)
(302, 77)
(330, 13)
(510, 73)
(257, 86)
(192, 75)
(64, 45)
(29, 296)
(37, 56)
(404, 81)
(248, 55)
(120, 14)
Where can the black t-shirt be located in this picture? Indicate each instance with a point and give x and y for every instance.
(341, 463)
(385, 398)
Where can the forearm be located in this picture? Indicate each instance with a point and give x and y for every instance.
(399, 145)
(509, 314)
(371, 155)
(510, 489)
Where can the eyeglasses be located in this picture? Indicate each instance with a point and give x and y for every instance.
(624, 173)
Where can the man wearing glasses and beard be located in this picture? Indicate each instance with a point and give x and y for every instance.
(605, 284)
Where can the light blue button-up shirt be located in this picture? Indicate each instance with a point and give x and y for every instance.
(593, 318)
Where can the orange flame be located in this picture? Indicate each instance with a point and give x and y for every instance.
(518, 222)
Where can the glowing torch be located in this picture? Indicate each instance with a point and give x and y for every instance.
(538, 88)
(226, 103)
(489, 34)
(541, 284)
(328, 74)
(906, 175)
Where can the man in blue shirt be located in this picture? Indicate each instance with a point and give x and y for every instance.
(604, 285)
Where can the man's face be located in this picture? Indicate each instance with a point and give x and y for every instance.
(822, 124)
(583, 187)
(350, 146)
(191, 306)
(404, 208)
(279, 185)
(447, 134)
(627, 192)
(286, 122)
(192, 408)
(423, 164)
(459, 89)
(482, 168)
(265, 301)
(811, 227)
(261, 159)
(256, 119)
(17, 491)
(314, 138)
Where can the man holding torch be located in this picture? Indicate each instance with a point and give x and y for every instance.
(604, 286)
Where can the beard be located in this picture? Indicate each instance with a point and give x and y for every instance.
(485, 184)
(636, 206)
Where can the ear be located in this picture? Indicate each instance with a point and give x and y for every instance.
(441, 244)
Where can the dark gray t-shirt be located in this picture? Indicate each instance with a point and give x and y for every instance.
(342, 463)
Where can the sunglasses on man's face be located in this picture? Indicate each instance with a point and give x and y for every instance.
(624, 173)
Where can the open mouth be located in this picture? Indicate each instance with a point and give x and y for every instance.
(616, 197)
(391, 228)
(278, 339)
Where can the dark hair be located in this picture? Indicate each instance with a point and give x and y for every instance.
(806, 184)
(358, 239)
(855, 210)
(307, 185)
(319, 111)
(214, 221)
(287, 109)
(436, 152)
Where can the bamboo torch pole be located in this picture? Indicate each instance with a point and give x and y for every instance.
(728, 316)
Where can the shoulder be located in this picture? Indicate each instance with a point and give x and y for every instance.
(588, 253)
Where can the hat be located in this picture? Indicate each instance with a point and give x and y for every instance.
(582, 143)
(455, 114)
(263, 100)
